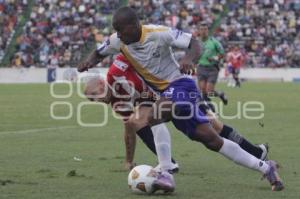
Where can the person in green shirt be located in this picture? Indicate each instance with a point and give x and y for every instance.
(208, 65)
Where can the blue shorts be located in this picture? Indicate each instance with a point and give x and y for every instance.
(186, 99)
(230, 68)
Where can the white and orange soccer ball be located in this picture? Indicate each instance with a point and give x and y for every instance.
(141, 178)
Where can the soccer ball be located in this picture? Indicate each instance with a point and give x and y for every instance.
(140, 179)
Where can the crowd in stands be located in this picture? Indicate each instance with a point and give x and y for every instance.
(59, 32)
(267, 30)
(10, 13)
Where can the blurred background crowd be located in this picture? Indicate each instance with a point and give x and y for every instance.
(10, 14)
(61, 32)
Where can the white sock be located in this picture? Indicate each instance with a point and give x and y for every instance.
(235, 153)
(163, 146)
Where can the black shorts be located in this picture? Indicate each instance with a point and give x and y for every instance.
(207, 73)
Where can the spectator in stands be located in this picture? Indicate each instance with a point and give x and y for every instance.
(10, 13)
(64, 29)
(70, 28)
(256, 24)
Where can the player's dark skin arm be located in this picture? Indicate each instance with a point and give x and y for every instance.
(191, 56)
(91, 61)
(130, 143)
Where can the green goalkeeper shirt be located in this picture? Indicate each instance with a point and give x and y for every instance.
(211, 48)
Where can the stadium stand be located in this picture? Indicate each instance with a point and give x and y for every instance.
(61, 32)
(10, 14)
(268, 30)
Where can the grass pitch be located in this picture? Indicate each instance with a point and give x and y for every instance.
(42, 158)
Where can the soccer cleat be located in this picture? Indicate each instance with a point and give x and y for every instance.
(265, 149)
(174, 168)
(164, 182)
(273, 177)
(223, 98)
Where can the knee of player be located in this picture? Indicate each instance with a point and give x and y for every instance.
(214, 146)
(213, 143)
(131, 122)
(136, 122)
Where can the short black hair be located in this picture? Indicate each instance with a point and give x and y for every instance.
(126, 15)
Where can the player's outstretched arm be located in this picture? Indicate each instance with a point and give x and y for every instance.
(191, 56)
(91, 61)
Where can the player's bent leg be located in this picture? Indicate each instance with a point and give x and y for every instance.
(139, 118)
(232, 151)
(197, 127)
(216, 124)
(230, 133)
(208, 136)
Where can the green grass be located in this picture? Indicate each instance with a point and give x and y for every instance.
(35, 163)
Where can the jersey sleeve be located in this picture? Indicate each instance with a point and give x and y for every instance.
(219, 47)
(109, 78)
(112, 73)
(175, 37)
(120, 82)
(110, 46)
(116, 69)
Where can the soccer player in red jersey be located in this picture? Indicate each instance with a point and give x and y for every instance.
(125, 90)
(235, 59)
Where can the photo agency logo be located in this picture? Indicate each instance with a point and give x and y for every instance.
(94, 91)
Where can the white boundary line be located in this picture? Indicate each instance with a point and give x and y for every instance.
(36, 130)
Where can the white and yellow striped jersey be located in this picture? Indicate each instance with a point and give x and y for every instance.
(152, 56)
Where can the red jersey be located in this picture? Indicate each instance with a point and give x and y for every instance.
(126, 85)
(236, 59)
